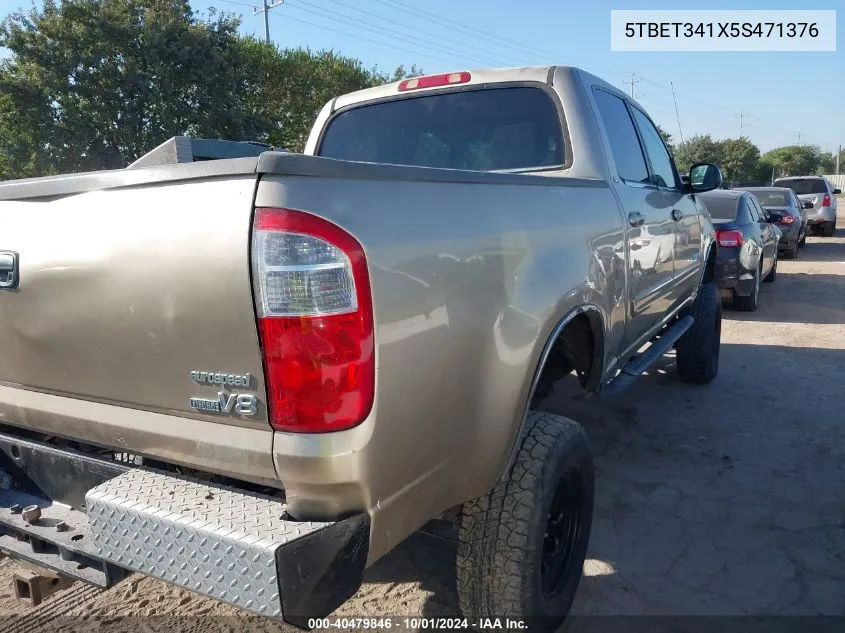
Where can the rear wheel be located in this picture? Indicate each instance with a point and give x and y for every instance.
(829, 229)
(773, 273)
(697, 355)
(789, 253)
(803, 241)
(522, 547)
(751, 302)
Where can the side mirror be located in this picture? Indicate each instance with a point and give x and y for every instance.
(704, 177)
(836, 192)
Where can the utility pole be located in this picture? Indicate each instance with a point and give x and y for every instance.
(838, 154)
(268, 4)
(741, 116)
(633, 81)
(677, 116)
(799, 137)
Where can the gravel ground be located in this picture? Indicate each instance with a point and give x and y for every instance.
(718, 500)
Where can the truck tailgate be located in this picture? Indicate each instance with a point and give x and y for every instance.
(123, 295)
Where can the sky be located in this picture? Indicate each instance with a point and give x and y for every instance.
(774, 98)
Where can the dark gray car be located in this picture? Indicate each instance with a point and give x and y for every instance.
(747, 244)
(784, 209)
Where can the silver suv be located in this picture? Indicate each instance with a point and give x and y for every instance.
(819, 199)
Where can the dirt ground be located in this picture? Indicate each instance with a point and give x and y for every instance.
(720, 500)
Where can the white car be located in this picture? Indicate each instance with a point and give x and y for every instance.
(819, 199)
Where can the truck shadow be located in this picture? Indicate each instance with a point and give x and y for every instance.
(714, 500)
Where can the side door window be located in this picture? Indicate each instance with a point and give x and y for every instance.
(622, 136)
(663, 172)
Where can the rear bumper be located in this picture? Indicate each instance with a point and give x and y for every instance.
(827, 214)
(732, 276)
(229, 544)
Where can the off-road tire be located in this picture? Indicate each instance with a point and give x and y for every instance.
(751, 302)
(773, 273)
(829, 229)
(503, 535)
(697, 351)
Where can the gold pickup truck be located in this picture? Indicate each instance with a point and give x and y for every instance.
(253, 377)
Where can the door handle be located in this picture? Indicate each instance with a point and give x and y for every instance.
(8, 270)
(677, 215)
(635, 218)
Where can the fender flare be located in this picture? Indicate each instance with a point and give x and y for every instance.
(593, 312)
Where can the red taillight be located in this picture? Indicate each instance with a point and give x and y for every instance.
(433, 81)
(315, 322)
(826, 200)
(729, 238)
(786, 219)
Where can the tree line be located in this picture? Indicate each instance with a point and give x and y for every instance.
(95, 84)
(741, 160)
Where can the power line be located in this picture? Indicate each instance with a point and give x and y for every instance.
(362, 38)
(481, 34)
(412, 28)
(416, 41)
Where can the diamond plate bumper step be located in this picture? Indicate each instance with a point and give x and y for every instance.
(100, 518)
(226, 544)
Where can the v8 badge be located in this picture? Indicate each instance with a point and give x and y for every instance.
(243, 404)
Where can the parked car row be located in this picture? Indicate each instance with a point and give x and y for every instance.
(757, 225)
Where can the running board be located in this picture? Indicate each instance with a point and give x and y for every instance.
(635, 367)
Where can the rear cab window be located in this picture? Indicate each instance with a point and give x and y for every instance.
(481, 129)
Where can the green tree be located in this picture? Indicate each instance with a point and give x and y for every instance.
(765, 171)
(698, 149)
(667, 137)
(94, 84)
(739, 159)
(794, 160)
(103, 81)
(827, 163)
(296, 83)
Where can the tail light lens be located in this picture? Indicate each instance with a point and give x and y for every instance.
(315, 322)
(729, 239)
(826, 200)
(786, 219)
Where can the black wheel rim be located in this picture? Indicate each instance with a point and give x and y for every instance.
(563, 532)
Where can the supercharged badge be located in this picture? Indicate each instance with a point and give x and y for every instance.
(238, 403)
